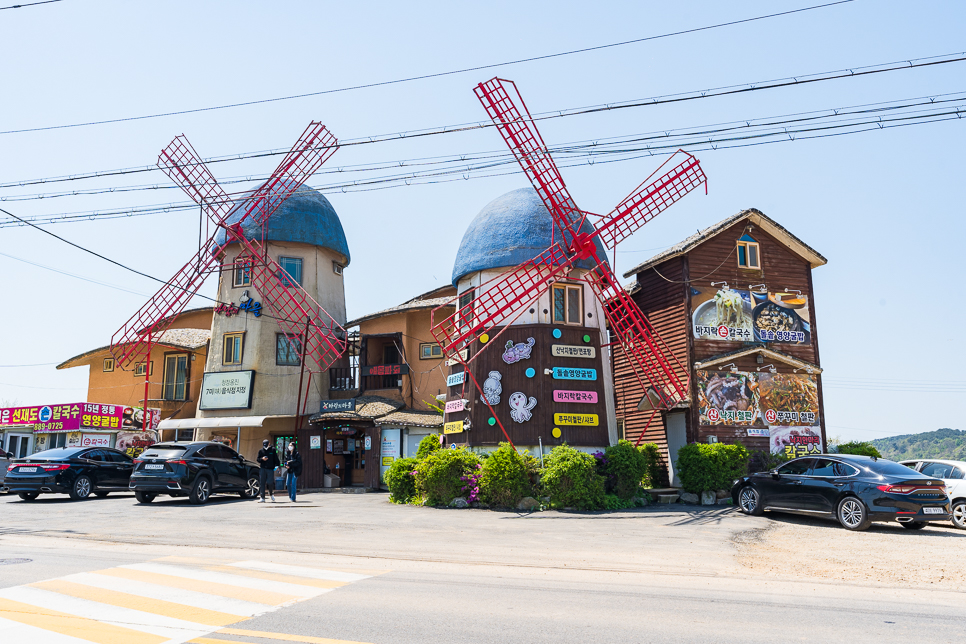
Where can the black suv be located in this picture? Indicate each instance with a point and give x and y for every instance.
(196, 470)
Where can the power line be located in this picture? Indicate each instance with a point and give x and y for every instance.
(695, 142)
(29, 4)
(756, 86)
(433, 75)
(75, 276)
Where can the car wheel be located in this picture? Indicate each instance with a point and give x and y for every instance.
(749, 500)
(852, 514)
(200, 491)
(101, 495)
(144, 497)
(82, 488)
(251, 488)
(959, 514)
(913, 525)
(29, 496)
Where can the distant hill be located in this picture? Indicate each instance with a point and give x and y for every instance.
(943, 443)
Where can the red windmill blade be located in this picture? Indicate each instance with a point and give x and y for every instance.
(288, 302)
(647, 353)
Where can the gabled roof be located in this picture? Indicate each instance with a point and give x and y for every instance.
(367, 408)
(428, 300)
(753, 215)
(411, 418)
(768, 354)
(188, 339)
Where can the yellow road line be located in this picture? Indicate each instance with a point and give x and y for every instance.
(136, 602)
(276, 636)
(274, 576)
(73, 626)
(211, 588)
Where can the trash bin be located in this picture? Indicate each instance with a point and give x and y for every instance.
(330, 480)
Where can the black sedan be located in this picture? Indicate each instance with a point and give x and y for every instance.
(856, 490)
(77, 471)
(196, 470)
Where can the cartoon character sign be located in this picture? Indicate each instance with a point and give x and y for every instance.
(492, 389)
(518, 352)
(520, 407)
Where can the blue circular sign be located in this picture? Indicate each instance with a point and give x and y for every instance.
(557, 333)
(531, 373)
(46, 413)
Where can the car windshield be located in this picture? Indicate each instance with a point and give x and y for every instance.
(888, 468)
(164, 451)
(56, 454)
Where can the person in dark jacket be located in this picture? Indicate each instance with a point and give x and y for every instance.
(267, 462)
(293, 461)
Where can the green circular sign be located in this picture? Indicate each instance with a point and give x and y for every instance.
(586, 338)
(492, 421)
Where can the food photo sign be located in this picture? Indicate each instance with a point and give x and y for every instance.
(750, 316)
(783, 404)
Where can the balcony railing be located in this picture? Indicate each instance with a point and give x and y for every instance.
(343, 379)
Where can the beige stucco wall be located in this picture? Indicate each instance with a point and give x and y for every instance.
(275, 386)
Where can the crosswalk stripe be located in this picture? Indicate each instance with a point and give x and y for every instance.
(274, 576)
(72, 625)
(258, 596)
(300, 571)
(135, 602)
(190, 597)
(11, 631)
(166, 627)
(223, 578)
(285, 637)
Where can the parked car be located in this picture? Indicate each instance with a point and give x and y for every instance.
(77, 471)
(196, 470)
(953, 474)
(856, 490)
(4, 461)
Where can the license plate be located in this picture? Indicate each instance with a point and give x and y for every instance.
(933, 511)
(154, 466)
(27, 469)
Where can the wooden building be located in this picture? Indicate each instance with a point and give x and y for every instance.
(735, 305)
(381, 402)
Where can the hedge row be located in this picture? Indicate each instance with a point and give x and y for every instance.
(569, 478)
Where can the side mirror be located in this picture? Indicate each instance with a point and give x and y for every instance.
(775, 475)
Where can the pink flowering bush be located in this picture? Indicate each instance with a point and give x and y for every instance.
(446, 474)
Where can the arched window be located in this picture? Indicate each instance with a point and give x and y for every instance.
(749, 255)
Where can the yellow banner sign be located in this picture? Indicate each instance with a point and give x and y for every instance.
(572, 351)
(453, 428)
(386, 461)
(587, 420)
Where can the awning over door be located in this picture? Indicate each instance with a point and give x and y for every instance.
(224, 421)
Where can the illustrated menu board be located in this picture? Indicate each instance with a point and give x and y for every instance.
(749, 316)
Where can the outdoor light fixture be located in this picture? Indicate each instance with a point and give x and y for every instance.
(731, 367)
(760, 359)
(791, 290)
(725, 284)
(547, 372)
(770, 368)
(761, 288)
(807, 370)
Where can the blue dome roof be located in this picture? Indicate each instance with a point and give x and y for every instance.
(511, 229)
(306, 217)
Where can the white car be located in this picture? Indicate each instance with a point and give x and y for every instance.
(954, 474)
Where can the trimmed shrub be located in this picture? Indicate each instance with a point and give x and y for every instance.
(859, 448)
(711, 467)
(440, 477)
(402, 481)
(624, 468)
(656, 470)
(571, 480)
(765, 461)
(507, 477)
(427, 446)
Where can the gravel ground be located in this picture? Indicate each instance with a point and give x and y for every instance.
(803, 547)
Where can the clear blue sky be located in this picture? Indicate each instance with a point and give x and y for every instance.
(885, 207)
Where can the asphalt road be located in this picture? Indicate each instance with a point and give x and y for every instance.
(337, 567)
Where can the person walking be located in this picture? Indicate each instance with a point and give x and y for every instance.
(293, 462)
(267, 462)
